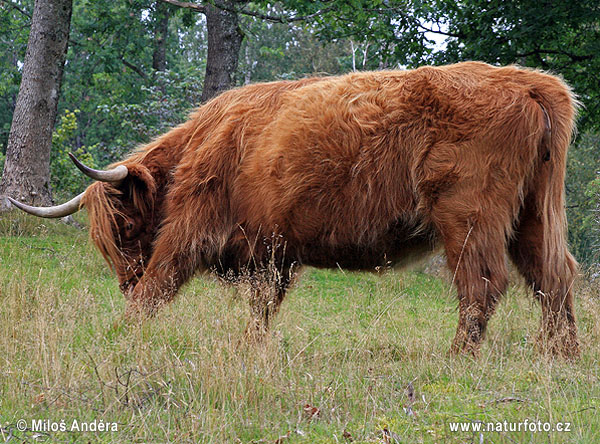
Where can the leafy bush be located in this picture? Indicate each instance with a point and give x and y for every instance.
(593, 192)
(165, 104)
(583, 196)
(65, 178)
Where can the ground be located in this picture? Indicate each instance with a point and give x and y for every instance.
(352, 357)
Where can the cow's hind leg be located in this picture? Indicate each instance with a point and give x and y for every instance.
(551, 282)
(476, 255)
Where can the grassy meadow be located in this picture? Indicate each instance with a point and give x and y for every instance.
(352, 357)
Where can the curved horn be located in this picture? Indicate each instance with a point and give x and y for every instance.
(115, 175)
(62, 210)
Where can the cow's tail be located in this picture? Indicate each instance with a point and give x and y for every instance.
(556, 125)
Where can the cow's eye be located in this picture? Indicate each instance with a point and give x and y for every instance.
(547, 156)
(129, 226)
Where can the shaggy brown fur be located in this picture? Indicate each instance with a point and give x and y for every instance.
(357, 171)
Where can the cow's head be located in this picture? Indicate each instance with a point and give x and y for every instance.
(123, 215)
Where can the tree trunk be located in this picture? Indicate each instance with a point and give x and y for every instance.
(161, 29)
(27, 169)
(224, 42)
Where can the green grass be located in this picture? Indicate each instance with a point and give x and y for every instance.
(345, 343)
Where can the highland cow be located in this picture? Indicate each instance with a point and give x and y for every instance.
(357, 171)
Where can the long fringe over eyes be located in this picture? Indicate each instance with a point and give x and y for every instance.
(103, 215)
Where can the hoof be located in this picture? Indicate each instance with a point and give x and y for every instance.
(562, 345)
(465, 348)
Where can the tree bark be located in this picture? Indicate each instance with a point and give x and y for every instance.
(27, 169)
(161, 29)
(224, 42)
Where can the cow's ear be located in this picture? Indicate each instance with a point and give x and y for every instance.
(140, 187)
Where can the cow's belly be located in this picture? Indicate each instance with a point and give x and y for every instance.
(396, 248)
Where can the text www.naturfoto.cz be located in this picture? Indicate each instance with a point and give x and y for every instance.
(505, 426)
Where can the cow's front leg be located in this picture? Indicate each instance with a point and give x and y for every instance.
(264, 305)
(266, 296)
(167, 271)
(150, 293)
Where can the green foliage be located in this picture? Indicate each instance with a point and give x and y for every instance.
(122, 102)
(593, 193)
(582, 185)
(390, 28)
(274, 51)
(164, 103)
(66, 179)
(563, 37)
(14, 26)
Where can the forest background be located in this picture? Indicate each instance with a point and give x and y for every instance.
(135, 68)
